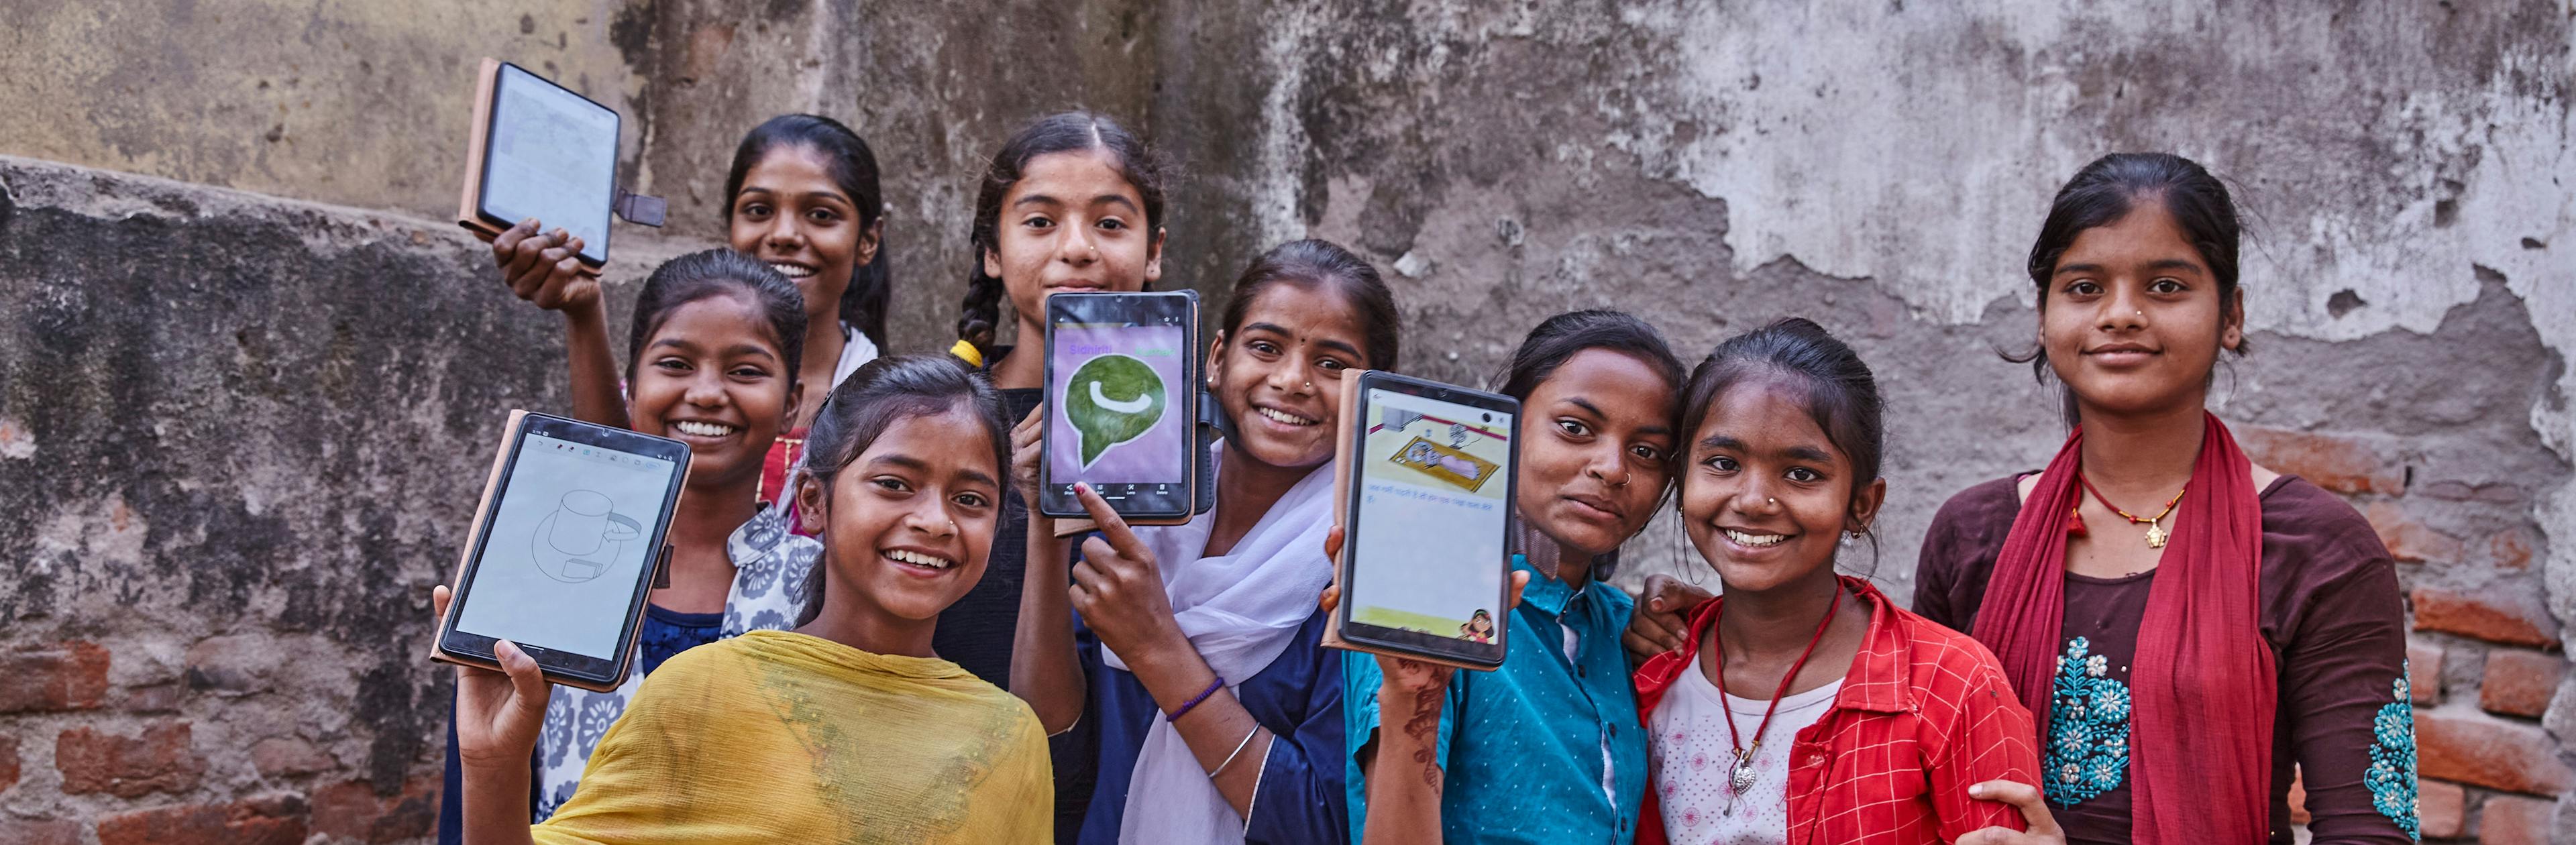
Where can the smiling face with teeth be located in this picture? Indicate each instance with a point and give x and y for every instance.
(713, 376)
(906, 526)
(792, 215)
(1278, 372)
(1766, 493)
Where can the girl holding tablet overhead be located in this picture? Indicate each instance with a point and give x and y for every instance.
(855, 730)
(2187, 625)
(802, 196)
(1197, 647)
(715, 346)
(1804, 706)
(1546, 749)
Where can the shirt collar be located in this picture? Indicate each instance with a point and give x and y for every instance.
(1545, 593)
(1879, 677)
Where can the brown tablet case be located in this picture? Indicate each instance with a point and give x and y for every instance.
(1346, 464)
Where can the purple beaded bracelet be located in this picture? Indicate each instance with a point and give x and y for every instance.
(1203, 696)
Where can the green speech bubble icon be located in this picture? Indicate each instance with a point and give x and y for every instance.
(1110, 400)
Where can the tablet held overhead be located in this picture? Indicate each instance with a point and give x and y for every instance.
(539, 150)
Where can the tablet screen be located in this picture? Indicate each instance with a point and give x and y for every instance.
(1428, 542)
(552, 156)
(1120, 387)
(569, 540)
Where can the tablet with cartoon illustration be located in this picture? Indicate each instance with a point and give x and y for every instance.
(1426, 498)
(1122, 404)
(565, 547)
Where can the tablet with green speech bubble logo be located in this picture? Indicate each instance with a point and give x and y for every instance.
(1123, 404)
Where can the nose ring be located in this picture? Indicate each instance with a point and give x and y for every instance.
(1770, 500)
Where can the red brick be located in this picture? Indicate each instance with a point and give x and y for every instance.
(160, 760)
(2493, 754)
(2514, 820)
(2441, 808)
(2424, 671)
(2338, 463)
(40, 831)
(8, 761)
(353, 810)
(270, 820)
(2496, 615)
(2408, 540)
(286, 755)
(62, 676)
(2520, 683)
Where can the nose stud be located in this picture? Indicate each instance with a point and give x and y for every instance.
(1769, 500)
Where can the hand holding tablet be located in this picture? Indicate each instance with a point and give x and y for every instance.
(1425, 496)
(541, 152)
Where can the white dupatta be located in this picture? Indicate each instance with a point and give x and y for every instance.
(1241, 610)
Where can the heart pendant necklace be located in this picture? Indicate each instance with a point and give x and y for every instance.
(2156, 533)
(1741, 777)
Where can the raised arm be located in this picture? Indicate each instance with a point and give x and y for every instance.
(544, 268)
(1046, 671)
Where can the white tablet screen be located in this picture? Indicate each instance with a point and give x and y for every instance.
(1429, 540)
(569, 539)
(552, 156)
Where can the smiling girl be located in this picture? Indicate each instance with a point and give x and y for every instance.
(2187, 625)
(802, 196)
(1197, 648)
(1550, 749)
(1804, 706)
(847, 729)
(715, 346)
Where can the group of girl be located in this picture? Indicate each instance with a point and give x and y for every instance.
(867, 636)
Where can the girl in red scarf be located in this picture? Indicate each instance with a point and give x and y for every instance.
(2184, 624)
(1804, 707)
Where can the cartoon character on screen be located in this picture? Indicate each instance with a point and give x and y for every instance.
(1479, 628)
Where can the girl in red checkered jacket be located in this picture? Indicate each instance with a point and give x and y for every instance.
(1802, 706)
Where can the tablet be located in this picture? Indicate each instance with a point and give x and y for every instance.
(539, 150)
(566, 543)
(1122, 405)
(1425, 493)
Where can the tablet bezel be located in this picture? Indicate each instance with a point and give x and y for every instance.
(1440, 649)
(483, 183)
(565, 667)
(1131, 501)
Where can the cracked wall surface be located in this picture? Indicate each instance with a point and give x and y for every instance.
(214, 403)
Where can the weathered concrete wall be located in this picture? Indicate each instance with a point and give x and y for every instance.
(342, 101)
(214, 405)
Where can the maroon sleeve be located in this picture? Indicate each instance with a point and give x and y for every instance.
(2342, 700)
(1959, 552)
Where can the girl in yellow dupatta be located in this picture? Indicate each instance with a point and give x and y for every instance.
(847, 729)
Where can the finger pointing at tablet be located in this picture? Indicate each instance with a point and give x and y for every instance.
(1118, 586)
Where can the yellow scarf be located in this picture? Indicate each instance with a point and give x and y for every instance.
(781, 737)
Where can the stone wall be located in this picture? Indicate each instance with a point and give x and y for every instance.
(215, 406)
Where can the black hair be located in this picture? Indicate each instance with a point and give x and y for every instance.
(1069, 131)
(1842, 395)
(853, 167)
(712, 273)
(2105, 191)
(875, 397)
(1558, 339)
(1322, 263)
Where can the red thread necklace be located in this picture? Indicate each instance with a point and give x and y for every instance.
(2156, 533)
(1742, 775)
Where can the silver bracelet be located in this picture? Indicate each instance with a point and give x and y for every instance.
(1238, 752)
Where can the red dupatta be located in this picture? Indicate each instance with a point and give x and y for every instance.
(2200, 756)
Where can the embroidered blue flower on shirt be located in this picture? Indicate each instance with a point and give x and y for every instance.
(2088, 728)
(2392, 759)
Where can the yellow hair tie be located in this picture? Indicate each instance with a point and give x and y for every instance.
(967, 352)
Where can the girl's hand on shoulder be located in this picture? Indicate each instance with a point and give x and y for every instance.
(544, 267)
(1027, 440)
(2034, 810)
(498, 714)
(1661, 622)
(1118, 587)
